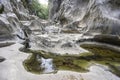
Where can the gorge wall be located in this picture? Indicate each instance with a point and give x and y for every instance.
(12, 15)
(91, 17)
(86, 17)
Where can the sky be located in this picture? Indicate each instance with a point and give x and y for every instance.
(43, 1)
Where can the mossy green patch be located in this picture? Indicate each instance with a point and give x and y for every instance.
(105, 56)
(60, 62)
(32, 65)
(79, 63)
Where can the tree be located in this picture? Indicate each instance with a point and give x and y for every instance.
(39, 10)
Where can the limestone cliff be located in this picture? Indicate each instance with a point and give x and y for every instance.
(91, 17)
(12, 15)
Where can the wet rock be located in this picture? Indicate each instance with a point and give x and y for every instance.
(110, 39)
(1, 59)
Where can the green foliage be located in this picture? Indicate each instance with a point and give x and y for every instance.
(35, 8)
(40, 10)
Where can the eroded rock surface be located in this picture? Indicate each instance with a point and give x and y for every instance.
(87, 16)
(14, 17)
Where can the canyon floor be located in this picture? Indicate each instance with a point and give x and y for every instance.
(12, 69)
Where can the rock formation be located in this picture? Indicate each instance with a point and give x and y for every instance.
(89, 20)
(91, 17)
(10, 18)
(13, 17)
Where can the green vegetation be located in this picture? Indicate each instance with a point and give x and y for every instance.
(1, 8)
(36, 8)
(32, 65)
(78, 63)
(40, 9)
